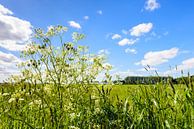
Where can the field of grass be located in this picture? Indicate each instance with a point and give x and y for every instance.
(55, 90)
(117, 106)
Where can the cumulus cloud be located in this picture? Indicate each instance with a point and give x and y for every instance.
(8, 58)
(99, 12)
(4, 10)
(8, 63)
(158, 57)
(151, 5)
(14, 31)
(123, 74)
(187, 64)
(116, 36)
(141, 29)
(130, 51)
(127, 41)
(103, 51)
(74, 24)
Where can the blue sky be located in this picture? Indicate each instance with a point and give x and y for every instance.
(133, 33)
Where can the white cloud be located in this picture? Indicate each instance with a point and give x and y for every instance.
(8, 65)
(158, 57)
(141, 29)
(4, 10)
(127, 41)
(74, 24)
(99, 12)
(152, 5)
(14, 31)
(86, 17)
(8, 58)
(116, 36)
(130, 51)
(103, 51)
(123, 74)
(186, 65)
(13, 45)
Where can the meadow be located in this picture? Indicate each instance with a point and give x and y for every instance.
(56, 90)
(108, 106)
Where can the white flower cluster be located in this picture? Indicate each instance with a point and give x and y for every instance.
(73, 127)
(5, 94)
(107, 66)
(35, 102)
(14, 97)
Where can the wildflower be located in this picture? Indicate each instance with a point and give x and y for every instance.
(73, 127)
(96, 126)
(155, 103)
(47, 89)
(78, 115)
(21, 99)
(93, 97)
(35, 102)
(72, 116)
(6, 110)
(5, 94)
(31, 103)
(38, 102)
(17, 95)
(11, 100)
(107, 66)
(97, 110)
(30, 49)
(50, 28)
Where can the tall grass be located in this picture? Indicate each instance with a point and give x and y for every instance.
(155, 106)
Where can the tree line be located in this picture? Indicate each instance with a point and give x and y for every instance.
(154, 80)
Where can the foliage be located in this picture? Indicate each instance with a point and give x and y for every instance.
(146, 80)
(154, 80)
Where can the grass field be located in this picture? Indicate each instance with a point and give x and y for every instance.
(124, 106)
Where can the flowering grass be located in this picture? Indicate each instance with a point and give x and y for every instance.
(118, 106)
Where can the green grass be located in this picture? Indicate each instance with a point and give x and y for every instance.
(117, 106)
(124, 91)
